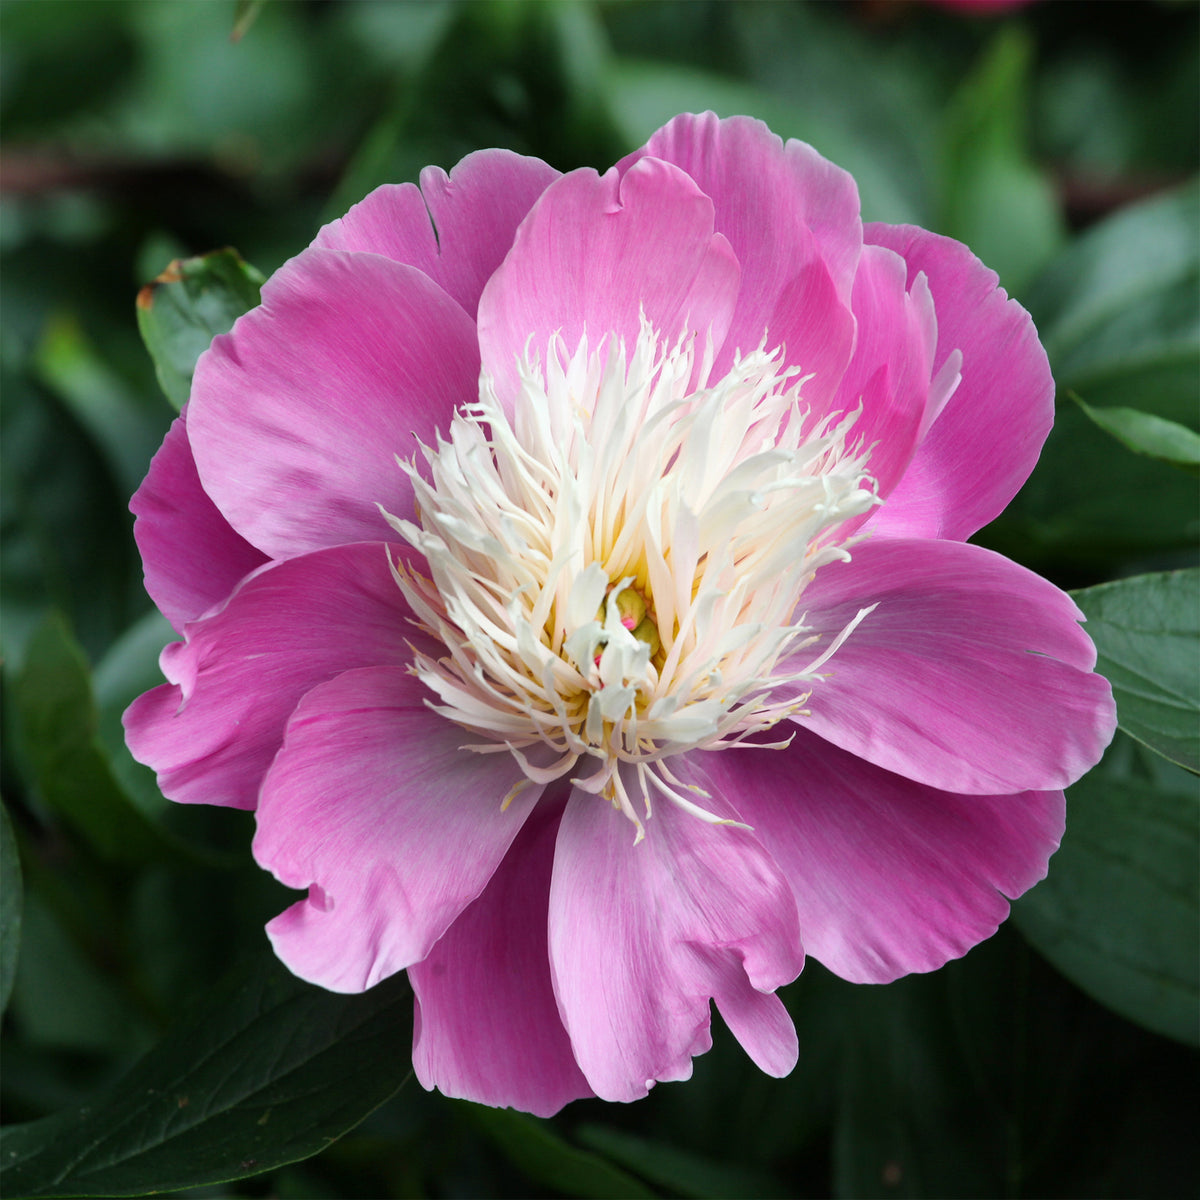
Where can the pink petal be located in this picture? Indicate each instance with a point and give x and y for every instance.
(972, 674)
(457, 228)
(983, 446)
(642, 936)
(191, 555)
(597, 251)
(298, 414)
(793, 221)
(487, 1024)
(211, 732)
(889, 876)
(373, 805)
(889, 372)
(764, 190)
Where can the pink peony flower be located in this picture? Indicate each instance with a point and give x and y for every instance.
(572, 577)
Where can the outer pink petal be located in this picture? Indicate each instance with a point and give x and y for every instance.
(889, 876)
(793, 221)
(211, 733)
(889, 373)
(373, 805)
(597, 251)
(298, 414)
(487, 1025)
(457, 228)
(642, 936)
(191, 555)
(983, 446)
(765, 190)
(972, 674)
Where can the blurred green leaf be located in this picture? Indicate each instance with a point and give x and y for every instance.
(65, 533)
(11, 898)
(534, 1148)
(1147, 635)
(265, 1071)
(124, 426)
(57, 719)
(1119, 309)
(1144, 433)
(68, 993)
(129, 668)
(993, 197)
(994, 1076)
(1119, 913)
(1119, 313)
(681, 1172)
(244, 16)
(191, 302)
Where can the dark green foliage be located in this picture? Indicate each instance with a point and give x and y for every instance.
(150, 1040)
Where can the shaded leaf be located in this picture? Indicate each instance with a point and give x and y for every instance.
(1144, 433)
(125, 427)
(535, 1149)
(191, 302)
(1119, 913)
(1147, 634)
(994, 1076)
(993, 197)
(57, 717)
(1119, 310)
(11, 897)
(680, 1171)
(266, 1071)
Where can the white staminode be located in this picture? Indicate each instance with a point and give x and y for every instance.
(614, 486)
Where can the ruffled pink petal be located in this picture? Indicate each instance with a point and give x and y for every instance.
(374, 806)
(972, 674)
(298, 414)
(487, 1026)
(987, 439)
(457, 228)
(596, 252)
(191, 555)
(889, 876)
(211, 732)
(642, 936)
(793, 221)
(764, 190)
(889, 373)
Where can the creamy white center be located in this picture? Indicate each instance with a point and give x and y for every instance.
(616, 568)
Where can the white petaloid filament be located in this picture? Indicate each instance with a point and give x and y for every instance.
(620, 494)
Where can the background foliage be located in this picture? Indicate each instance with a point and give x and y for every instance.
(150, 1042)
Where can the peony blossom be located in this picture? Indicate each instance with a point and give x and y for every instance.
(572, 577)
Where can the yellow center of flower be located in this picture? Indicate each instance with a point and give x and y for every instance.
(616, 567)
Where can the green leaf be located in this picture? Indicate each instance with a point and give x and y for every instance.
(191, 302)
(994, 1076)
(1144, 433)
(58, 720)
(680, 1171)
(244, 16)
(993, 197)
(125, 426)
(535, 1149)
(1119, 310)
(11, 897)
(1147, 635)
(267, 1070)
(1119, 913)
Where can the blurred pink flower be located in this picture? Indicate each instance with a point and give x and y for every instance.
(572, 577)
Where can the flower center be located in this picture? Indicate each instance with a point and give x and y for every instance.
(616, 568)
